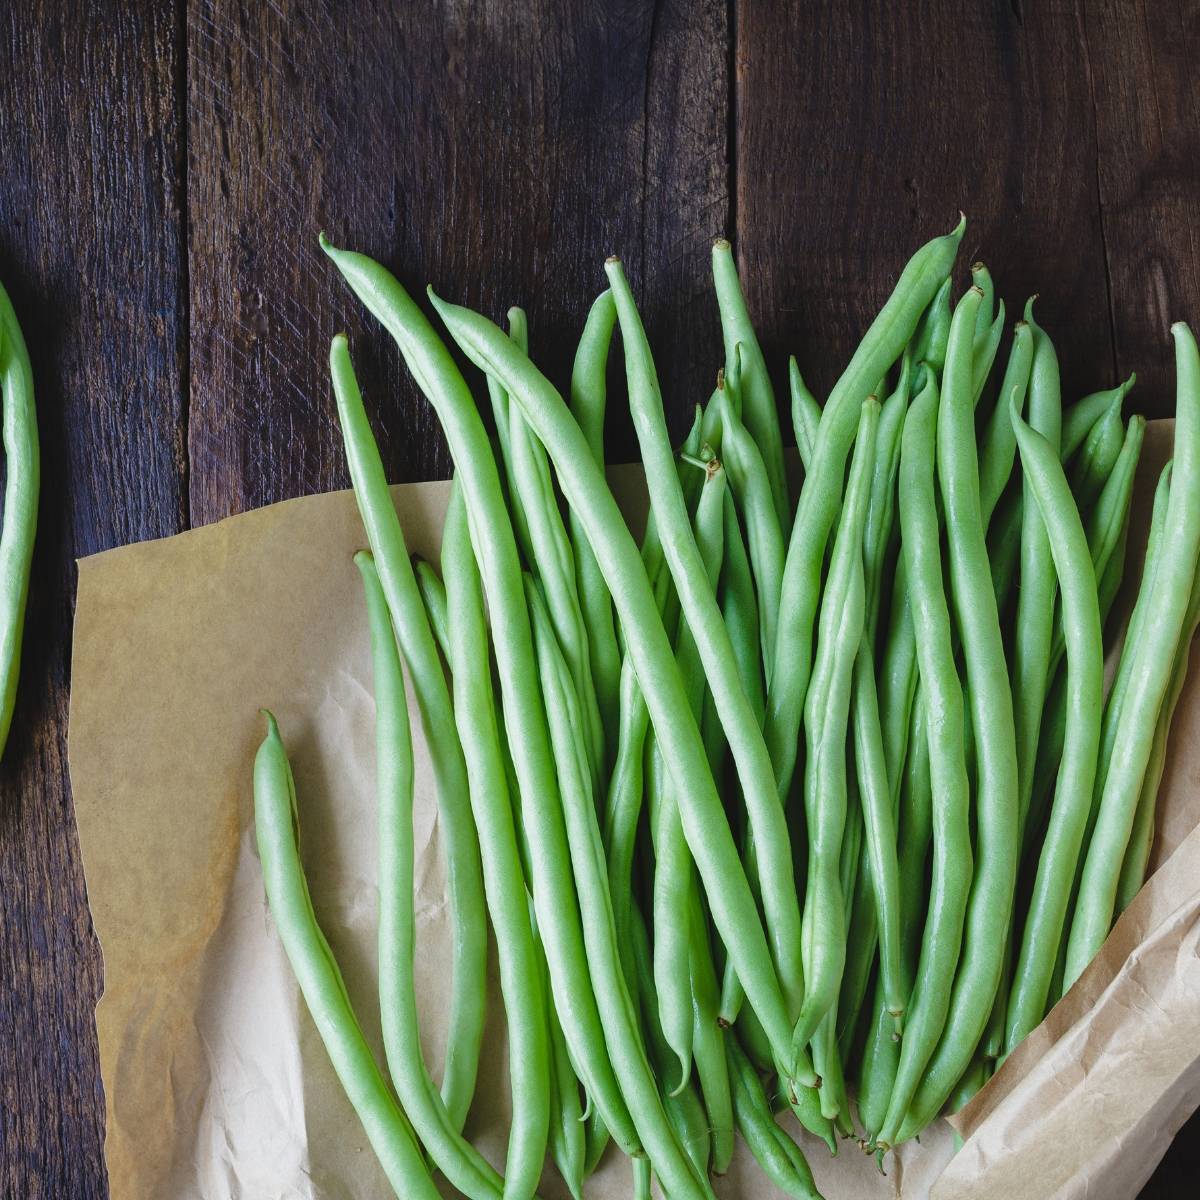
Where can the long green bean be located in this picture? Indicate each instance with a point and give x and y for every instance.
(276, 824)
(806, 413)
(1079, 419)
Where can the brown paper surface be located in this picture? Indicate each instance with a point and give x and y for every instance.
(216, 1084)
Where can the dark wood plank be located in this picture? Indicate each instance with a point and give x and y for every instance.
(499, 153)
(1147, 104)
(863, 129)
(90, 250)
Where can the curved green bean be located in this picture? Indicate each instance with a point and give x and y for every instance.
(986, 347)
(528, 738)
(23, 470)
(933, 329)
(820, 495)
(468, 996)
(1077, 771)
(276, 824)
(1150, 676)
(990, 903)
(1097, 456)
(806, 413)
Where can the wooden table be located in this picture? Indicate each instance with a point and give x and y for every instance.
(166, 167)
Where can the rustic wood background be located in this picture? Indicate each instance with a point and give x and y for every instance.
(166, 167)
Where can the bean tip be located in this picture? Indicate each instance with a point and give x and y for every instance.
(612, 260)
(721, 243)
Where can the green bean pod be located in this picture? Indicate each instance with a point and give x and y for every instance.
(276, 825)
(1035, 597)
(806, 413)
(1097, 456)
(525, 718)
(986, 348)
(1150, 676)
(933, 329)
(759, 411)
(827, 712)
(532, 1060)
(708, 1039)
(1077, 771)
(990, 903)
(23, 471)
(1079, 419)
(981, 277)
(467, 1001)
(999, 446)
(820, 495)
(944, 706)
(588, 399)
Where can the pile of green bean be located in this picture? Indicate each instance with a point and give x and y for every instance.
(808, 801)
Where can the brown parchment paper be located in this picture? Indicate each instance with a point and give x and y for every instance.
(216, 1084)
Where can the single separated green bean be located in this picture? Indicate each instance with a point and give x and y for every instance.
(943, 698)
(468, 994)
(588, 399)
(758, 397)
(1150, 676)
(525, 719)
(820, 495)
(622, 1029)
(23, 467)
(454, 1156)
(992, 888)
(520, 961)
(277, 825)
(1043, 929)
(827, 712)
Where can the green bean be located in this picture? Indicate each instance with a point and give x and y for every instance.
(498, 398)
(433, 596)
(748, 480)
(819, 500)
(1036, 595)
(684, 1110)
(673, 875)
(806, 413)
(1150, 675)
(23, 467)
(999, 446)
(277, 824)
(786, 1168)
(897, 683)
(933, 329)
(759, 411)
(622, 1028)
(915, 828)
(990, 903)
(974, 1077)
(827, 710)
(588, 397)
(880, 1061)
(458, 1161)
(1097, 456)
(1083, 414)
(467, 1003)
(1137, 853)
(709, 837)
(520, 966)
(986, 348)
(1077, 770)
(944, 723)
(708, 1038)
(981, 277)
(528, 738)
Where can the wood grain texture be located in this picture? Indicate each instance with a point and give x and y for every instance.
(168, 165)
(864, 129)
(90, 250)
(499, 153)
